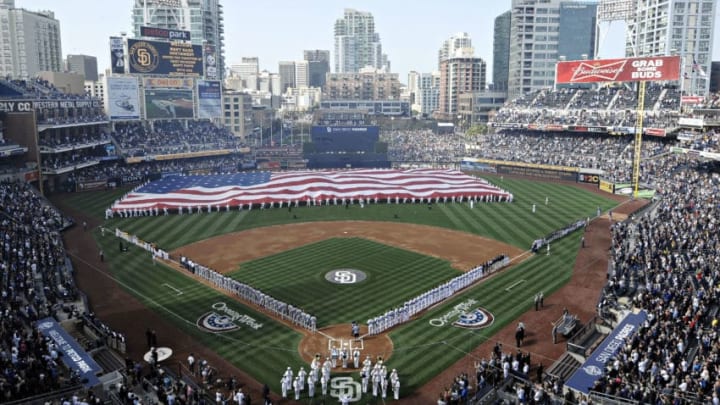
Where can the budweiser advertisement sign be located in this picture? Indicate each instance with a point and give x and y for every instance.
(691, 99)
(652, 68)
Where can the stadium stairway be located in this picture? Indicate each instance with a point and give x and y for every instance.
(108, 360)
(570, 102)
(564, 367)
(612, 101)
(660, 99)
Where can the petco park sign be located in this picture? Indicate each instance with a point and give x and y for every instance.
(658, 68)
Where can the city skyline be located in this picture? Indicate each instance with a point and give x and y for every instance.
(407, 41)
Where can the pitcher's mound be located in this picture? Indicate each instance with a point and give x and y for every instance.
(339, 336)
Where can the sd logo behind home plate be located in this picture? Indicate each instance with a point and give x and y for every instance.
(345, 276)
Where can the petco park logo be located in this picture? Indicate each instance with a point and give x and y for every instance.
(345, 276)
(225, 319)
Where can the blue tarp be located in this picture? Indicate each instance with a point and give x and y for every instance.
(584, 378)
(73, 356)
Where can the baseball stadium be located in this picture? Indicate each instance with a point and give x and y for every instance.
(565, 253)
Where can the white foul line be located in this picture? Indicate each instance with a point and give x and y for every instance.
(513, 285)
(173, 288)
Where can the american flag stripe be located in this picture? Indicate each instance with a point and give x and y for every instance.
(303, 186)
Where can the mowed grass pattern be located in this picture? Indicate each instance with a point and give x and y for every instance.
(420, 350)
(297, 276)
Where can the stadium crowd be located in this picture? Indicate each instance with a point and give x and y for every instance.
(35, 280)
(423, 147)
(666, 262)
(605, 107)
(613, 155)
(172, 136)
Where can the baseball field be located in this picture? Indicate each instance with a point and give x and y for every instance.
(402, 249)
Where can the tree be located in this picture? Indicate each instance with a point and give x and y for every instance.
(477, 129)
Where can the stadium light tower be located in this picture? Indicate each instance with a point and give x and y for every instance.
(626, 11)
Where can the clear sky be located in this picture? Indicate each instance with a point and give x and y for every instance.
(411, 31)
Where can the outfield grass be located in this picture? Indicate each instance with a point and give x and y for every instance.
(297, 277)
(420, 350)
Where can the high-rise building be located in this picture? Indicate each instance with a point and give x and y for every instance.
(460, 73)
(501, 51)
(576, 38)
(203, 18)
(676, 27)
(458, 41)
(357, 45)
(286, 70)
(248, 66)
(412, 88)
(535, 41)
(31, 41)
(302, 74)
(318, 66)
(428, 94)
(84, 65)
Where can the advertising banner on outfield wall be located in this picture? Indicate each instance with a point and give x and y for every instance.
(588, 178)
(607, 186)
(209, 99)
(536, 172)
(653, 68)
(123, 98)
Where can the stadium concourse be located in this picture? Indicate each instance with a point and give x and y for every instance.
(663, 261)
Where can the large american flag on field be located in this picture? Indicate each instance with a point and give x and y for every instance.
(309, 187)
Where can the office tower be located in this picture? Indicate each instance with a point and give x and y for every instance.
(576, 38)
(357, 45)
(32, 41)
(286, 70)
(203, 18)
(248, 66)
(501, 51)
(318, 66)
(84, 65)
(302, 73)
(535, 41)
